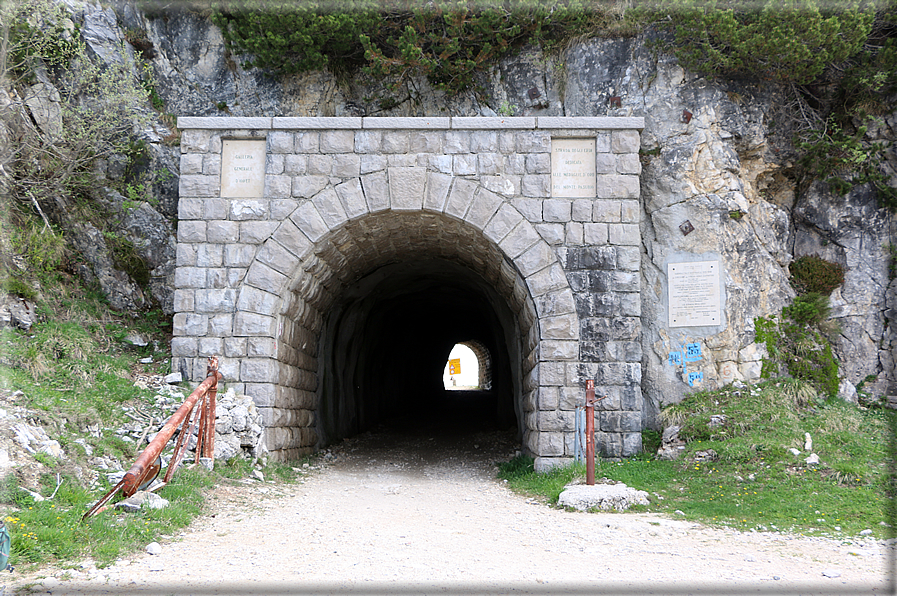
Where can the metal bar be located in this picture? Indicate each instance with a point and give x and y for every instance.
(590, 432)
(201, 433)
(143, 467)
(579, 442)
(180, 446)
(211, 398)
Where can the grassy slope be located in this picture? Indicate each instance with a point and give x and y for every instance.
(76, 374)
(755, 482)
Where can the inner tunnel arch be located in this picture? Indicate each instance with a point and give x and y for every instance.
(402, 289)
(480, 351)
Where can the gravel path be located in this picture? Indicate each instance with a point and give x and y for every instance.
(391, 513)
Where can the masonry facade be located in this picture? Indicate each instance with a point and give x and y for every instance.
(339, 199)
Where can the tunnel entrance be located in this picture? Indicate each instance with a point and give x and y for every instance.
(331, 263)
(390, 327)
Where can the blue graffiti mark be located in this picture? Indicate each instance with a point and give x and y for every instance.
(674, 359)
(695, 377)
(692, 352)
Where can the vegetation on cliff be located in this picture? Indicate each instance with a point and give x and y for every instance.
(839, 59)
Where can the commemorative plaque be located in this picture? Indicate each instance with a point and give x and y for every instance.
(694, 293)
(573, 168)
(243, 169)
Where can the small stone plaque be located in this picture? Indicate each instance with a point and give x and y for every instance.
(573, 168)
(243, 169)
(694, 294)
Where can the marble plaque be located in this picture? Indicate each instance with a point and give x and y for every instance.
(573, 168)
(694, 294)
(243, 169)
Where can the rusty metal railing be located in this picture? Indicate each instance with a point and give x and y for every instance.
(146, 467)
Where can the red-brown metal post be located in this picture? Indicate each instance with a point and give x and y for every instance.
(143, 467)
(211, 398)
(590, 432)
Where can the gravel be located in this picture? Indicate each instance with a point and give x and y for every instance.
(423, 513)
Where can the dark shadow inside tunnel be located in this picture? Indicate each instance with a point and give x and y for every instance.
(386, 341)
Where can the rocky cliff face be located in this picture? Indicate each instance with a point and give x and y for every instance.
(715, 154)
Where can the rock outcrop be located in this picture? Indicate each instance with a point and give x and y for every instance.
(712, 158)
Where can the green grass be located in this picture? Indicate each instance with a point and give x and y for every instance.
(756, 483)
(52, 530)
(549, 485)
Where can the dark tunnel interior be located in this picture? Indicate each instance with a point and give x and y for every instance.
(386, 342)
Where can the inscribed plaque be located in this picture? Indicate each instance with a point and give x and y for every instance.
(694, 293)
(573, 168)
(243, 169)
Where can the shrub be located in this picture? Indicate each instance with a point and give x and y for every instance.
(100, 106)
(744, 38)
(813, 274)
(795, 343)
(810, 309)
(845, 160)
(448, 42)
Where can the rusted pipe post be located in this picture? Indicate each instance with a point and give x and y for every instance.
(590, 432)
(143, 467)
(211, 398)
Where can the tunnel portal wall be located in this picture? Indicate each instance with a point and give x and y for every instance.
(269, 245)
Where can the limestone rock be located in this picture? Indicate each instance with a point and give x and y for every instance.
(17, 312)
(43, 103)
(123, 294)
(671, 446)
(618, 497)
(854, 231)
(142, 500)
(102, 35)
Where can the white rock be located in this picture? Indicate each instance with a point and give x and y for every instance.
(137, 340)
(812, 460)
(174, 378)
(154, 548)
(794, 451)
(808, 442)
(602, 496)
(848, 392)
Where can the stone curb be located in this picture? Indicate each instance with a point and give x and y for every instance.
(446, 123)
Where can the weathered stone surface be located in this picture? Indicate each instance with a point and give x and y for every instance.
(854, 232)
(43, 103)
(123, 294)
(602, 497)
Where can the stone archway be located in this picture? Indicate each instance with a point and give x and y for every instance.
(357, 216)
(314, 292)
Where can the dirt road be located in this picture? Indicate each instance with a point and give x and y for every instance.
(423, 513)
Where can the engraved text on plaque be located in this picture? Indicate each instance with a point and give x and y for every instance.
(573, 167)
(243, 169)
(694, 293)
